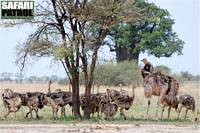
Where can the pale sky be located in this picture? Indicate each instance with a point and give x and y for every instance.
(185, 13)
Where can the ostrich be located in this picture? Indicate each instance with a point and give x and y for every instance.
(94, 102)
(67, 99)
(170, 99)
(109, 109)
(122, 99)
(34, 101)
(57, 99)
(12, 101)
(188, 102)
(54, 102)
(106, 106)
(157, 84)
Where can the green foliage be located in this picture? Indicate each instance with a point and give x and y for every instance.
(38, 47)
(163, 69)
(124, 73)
(60, 52)
(153, 34)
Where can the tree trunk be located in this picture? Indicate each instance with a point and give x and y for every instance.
(87, 109)
(123, 54)
(75, 96)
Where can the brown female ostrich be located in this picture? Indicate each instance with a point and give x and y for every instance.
(109, 109)
(170, 99)
(122, 99)
(12, 101)
(95, 101)
(34, 102)
(188, 102)
(157, 84)
(57, 99)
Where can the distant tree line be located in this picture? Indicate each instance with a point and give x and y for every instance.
(19, 78)
(111, 74)
(181, 77)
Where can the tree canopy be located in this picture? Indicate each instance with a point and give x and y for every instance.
(153, 35)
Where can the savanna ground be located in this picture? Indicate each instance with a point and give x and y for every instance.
(135, 115)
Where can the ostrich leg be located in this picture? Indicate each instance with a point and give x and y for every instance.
(36, 112)
(186, 113)
(157, 107)
(122, 113)
(5, 116)
(160, 98)
(169, 110)
(163, 109)
(179, 111)
(149, 103)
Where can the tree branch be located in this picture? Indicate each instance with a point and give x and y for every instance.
(68, 74)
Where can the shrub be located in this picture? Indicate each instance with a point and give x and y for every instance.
(124, 73)
(163, 69)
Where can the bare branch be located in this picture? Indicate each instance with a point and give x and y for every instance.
(68, 74)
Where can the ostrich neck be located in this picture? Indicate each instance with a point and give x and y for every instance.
(49, 88)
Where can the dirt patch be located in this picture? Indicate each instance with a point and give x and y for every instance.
(95, 128)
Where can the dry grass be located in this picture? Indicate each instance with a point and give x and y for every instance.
(135, 114)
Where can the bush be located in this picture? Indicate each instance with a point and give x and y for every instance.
(124, 73)
(163, 69)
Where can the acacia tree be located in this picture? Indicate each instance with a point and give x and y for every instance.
(65, 31)
(153, 35)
